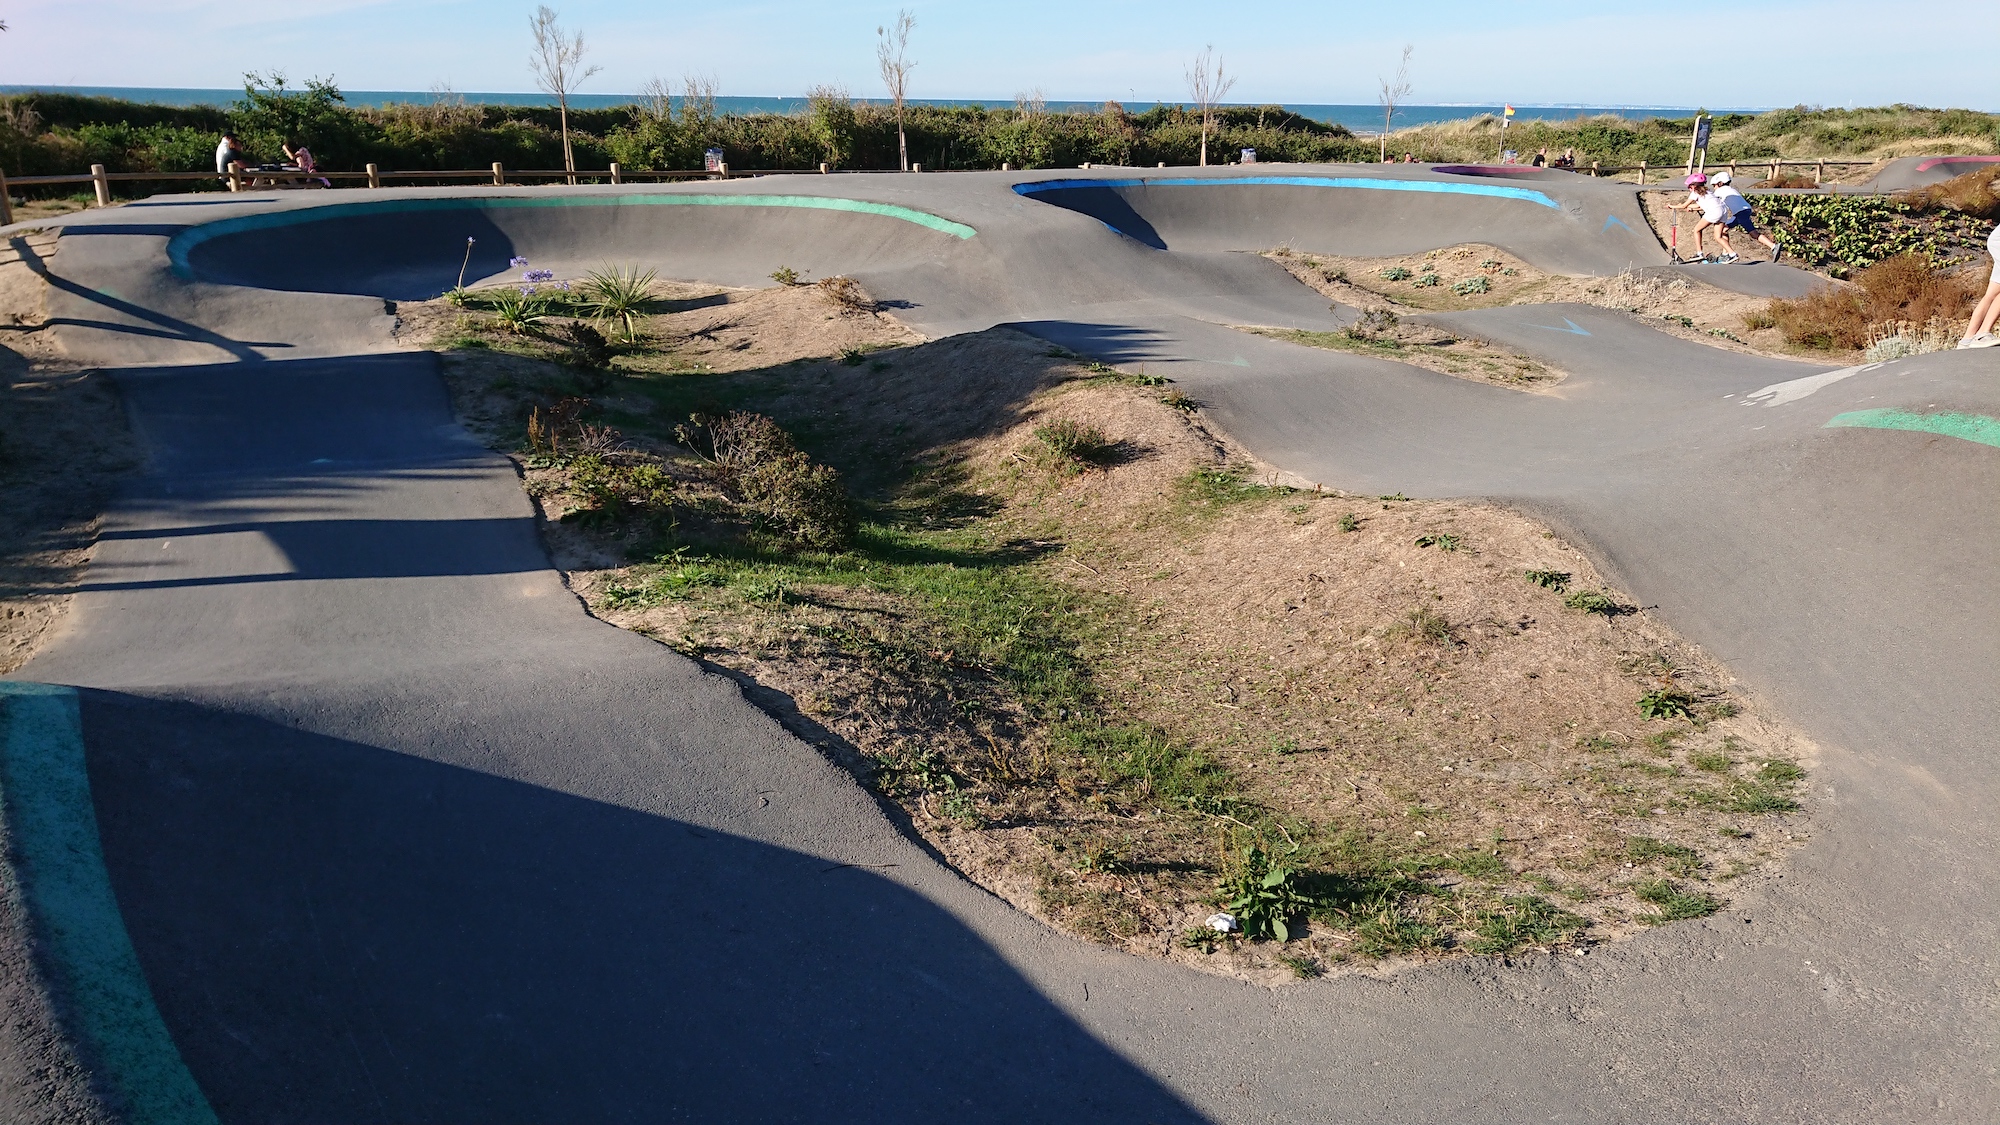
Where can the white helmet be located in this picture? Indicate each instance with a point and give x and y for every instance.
(1718, 177)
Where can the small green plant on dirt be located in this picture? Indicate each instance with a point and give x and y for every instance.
(1396, 273)
(1471, 286)
(1066, 446)
(1179, 401)
(620, 293)
(1427, 281)
(1781, 773)
(785, 276)
(1522, 921)
(1666, 703)
(1676, 858)
(1676, 318)
(1264, 897)
(1208, 939)
(1592, 601)
(1442, 540)
(1220, 486)
(1673, 903)
(1712, 761)
(853, 356)
(1557, 580)
(1348, 522)
(1393, 496)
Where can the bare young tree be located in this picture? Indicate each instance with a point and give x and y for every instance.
(892, 54)
(1031, 103)
(1393, 94)
(698, 93)
(656, 98)
(1207, 85)
(558, 65)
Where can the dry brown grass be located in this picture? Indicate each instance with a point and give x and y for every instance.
(1974, 193)
(1846, 318)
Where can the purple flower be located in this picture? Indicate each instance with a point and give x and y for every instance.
(538, 275)
(470, 240)
(563, 285)
(527, 290)
(516, 263)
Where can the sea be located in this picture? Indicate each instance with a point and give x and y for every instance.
(1361, 119)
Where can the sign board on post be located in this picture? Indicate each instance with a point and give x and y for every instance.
(712, 160)
(1250, 156)
(1699, 142)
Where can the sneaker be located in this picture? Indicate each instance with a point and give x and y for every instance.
(1725, 259)
(1984, 340)
(1774, 253)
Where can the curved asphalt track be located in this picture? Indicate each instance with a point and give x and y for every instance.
(399, 834)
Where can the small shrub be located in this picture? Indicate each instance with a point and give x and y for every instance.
(520, 310)
(1373, 323)
(1674, 903)
(587, 345)
(785, 276)
(781, 488)
(1205, 938)
(620, 293)
(853, 356)
(1901, 288)
(1443, 541)
(1396, 273)
(1975, 193)
(1181, 402)
(1557, 580)
(846, 293)
(1666, 703)
(1471, 286)
(1427, 281)
(1348, 522)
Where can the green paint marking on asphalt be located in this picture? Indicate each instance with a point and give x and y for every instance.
(183, 243)
(45, 798)
(1971, 427)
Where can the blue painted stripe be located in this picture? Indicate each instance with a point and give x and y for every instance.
(183, 243)
(47, 810)
(1497, 191)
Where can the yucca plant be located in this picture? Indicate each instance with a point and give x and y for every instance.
(619, 293)
(521, 309)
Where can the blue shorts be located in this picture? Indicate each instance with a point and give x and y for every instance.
(1742, 221)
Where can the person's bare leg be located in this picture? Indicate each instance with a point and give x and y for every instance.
(1985, 314)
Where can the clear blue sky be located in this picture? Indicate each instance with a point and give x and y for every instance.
(1833, 52)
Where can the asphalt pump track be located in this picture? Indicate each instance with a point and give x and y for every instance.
(386, 828)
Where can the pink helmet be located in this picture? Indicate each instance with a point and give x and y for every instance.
(1697, 178)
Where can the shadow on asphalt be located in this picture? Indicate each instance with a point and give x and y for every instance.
(340, 933)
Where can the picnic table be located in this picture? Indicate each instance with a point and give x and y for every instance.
(280, 176)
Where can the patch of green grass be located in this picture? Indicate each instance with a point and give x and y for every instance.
(1428, 626)
(1674, 903)
(1525, 920)
(1712, 761)
(1593, 601)
(1213, 489)
(1303, 966)
(1067, 447)
(1750, 798)
(1677, 858)
(1781, 773)
(1480, 865)
(1666, 703)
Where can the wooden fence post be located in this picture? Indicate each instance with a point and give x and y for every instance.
(1819, 174)
(1774, 169)
(6, 202)
(1642, 172)
(1593, 169)
(824, 169)
(374, 176)
(236, 175)
(102, 184)
(617, 176)
(499, 175)
(722, 170)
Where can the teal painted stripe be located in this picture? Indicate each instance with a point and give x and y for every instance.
(45, 799)
(1971, 427)
(184, 242)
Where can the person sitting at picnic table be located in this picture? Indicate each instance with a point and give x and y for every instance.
(1566, 161)
(302, 159)
(227, 152)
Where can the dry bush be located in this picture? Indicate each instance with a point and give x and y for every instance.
(758, 465)
(1973, 193)
(1788, 180)
(847, 293)
(1903, 288)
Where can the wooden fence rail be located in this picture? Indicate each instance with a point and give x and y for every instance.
(1773, 167)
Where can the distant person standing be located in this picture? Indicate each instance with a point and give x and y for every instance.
(1979, 330)
(1541, 159)
(227, 152)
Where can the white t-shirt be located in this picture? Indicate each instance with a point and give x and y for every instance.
(1710, 204)
(1732, 200)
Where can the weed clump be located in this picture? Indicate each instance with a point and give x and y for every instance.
(1592, 601)
(846, 293)
(1673, 903)
(1068, 447)
(1522, 921)
(1264, 897)
(1666, 703)
(1557, 580)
